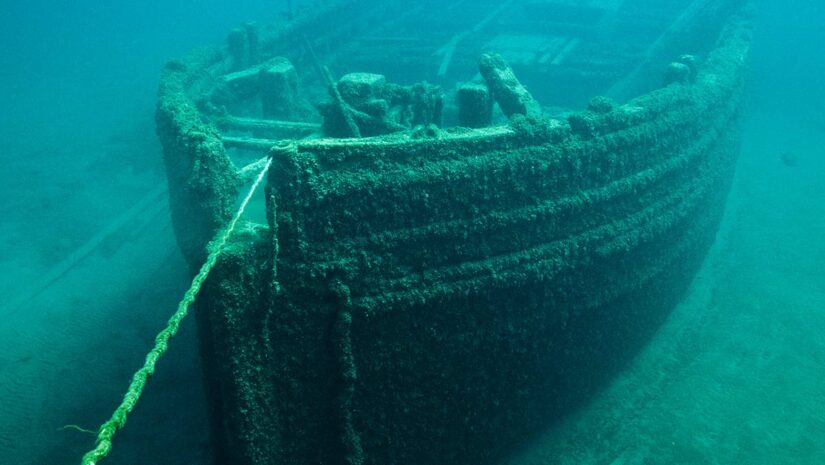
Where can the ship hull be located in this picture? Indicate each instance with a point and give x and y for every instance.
(440, 296)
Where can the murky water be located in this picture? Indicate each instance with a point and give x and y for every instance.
(90, 271)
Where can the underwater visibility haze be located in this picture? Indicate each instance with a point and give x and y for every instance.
(518, 232)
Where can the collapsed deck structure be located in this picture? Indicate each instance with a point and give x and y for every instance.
(440, 269)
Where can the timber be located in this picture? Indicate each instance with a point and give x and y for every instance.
(464, 243)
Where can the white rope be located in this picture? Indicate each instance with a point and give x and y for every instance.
(118, 419)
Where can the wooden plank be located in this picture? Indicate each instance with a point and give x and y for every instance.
(248, 143)
(267, 128)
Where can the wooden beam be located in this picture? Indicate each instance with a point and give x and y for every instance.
(268, 128)
(248, 143)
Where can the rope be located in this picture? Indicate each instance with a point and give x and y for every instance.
(108, 429)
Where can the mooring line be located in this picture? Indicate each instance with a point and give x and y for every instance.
(108, 429)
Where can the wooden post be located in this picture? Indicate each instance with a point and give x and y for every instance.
(475, 107)
(512, 97)
(278, 82)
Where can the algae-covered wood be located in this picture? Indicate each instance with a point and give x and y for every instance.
(438, 295)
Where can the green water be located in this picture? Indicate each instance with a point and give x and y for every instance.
(735, 375)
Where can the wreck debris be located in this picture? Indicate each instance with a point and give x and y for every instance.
(334, 331)
(601, 104)
(682, 70)
(243, 46)
(274, 82)
(376, 107)
(278, 83)
(268, 128)
(512, 97)
(475, 106)
(677, 73)
(448, 50)
(691, 62)
(339, 121)
(358, 88)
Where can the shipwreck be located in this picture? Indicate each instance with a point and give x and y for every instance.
(473, 218)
